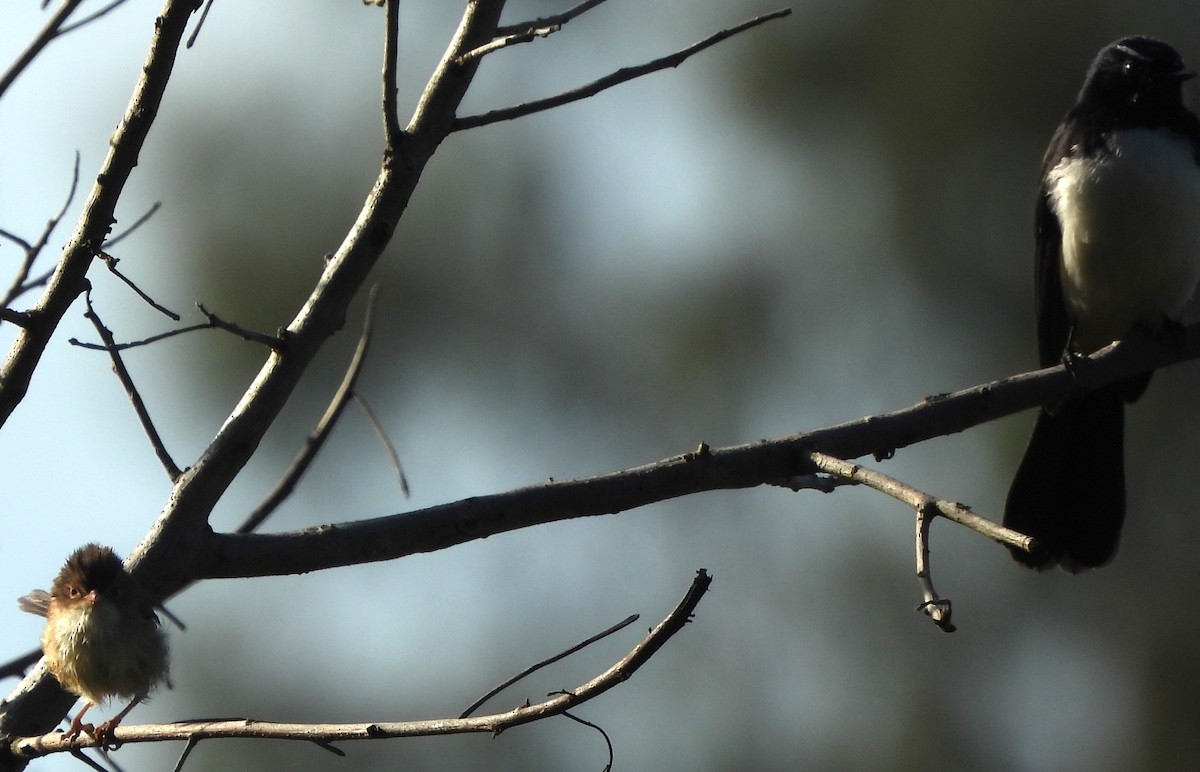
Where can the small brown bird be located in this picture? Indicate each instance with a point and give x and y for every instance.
(102, 637)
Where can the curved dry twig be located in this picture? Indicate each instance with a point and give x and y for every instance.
(316, 439)
(373, 420)
(604, 734)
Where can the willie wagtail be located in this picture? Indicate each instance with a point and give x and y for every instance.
(1118, 249)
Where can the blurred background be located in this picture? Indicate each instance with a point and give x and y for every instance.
(823, 218)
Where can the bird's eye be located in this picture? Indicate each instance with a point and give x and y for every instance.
(75, 592)
(1128, 67)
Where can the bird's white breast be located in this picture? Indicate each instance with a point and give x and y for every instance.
(1130, 233)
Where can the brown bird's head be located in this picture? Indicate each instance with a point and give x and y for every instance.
(93, 571)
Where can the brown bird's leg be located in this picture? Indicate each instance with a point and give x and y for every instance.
(78, 726)
(104, 732)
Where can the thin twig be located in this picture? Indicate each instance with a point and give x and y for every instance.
(91, 17)
(139, 222)
(139, 406)
(142, 342)
(316, 440)
(49, 32)
(187, 751)
(191, 41)
(271, 341)
(19, 284)
(373, 420)
(111, 262)
(604, 734)
(557, 20)
(391, 53)
(613, 79)
(14, 238)
(550, 661)
(203, 729)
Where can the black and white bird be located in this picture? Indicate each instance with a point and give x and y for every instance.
(1118, 250)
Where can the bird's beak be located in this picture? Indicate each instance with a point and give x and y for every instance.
(1183, 74)
(92, 597)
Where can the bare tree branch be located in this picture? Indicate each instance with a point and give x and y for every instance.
(614, 79)
(741, 466)
(194, 731)
(14, 317)
(68, 280)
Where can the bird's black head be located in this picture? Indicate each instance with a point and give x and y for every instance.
(1138, 75)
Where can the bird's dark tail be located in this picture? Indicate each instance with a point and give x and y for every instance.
(1069, 491)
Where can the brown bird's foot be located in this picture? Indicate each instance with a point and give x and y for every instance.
(103, 734)
(78, 726)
